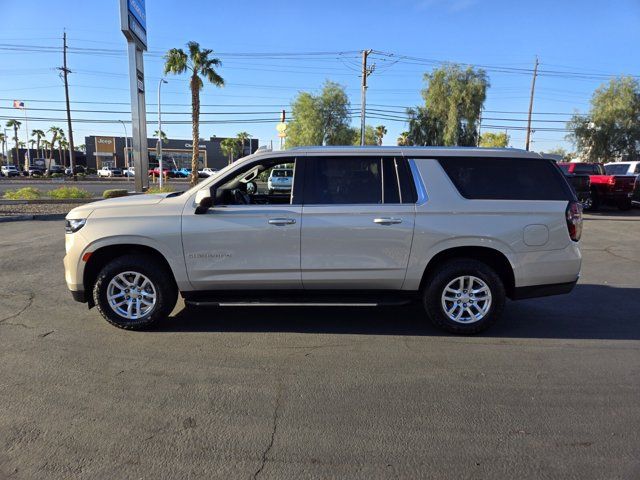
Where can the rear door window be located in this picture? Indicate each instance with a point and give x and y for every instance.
(507, 178)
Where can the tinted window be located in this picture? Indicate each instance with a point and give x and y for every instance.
(588, 168)
(613, 169)
(507, 178)
(564, 168)
(637, 170)
(343, 180)
(391, 187)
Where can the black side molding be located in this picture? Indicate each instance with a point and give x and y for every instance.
(533, 291)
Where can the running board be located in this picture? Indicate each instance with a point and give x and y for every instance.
(296, 299)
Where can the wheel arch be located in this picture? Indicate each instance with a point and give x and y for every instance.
(491, 256)
(100, 257)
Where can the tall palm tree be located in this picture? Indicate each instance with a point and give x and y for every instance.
(163, 136)
(200, 64)
(381, 131)
(15, 124)
(230, 147)
(403, 139)
(45, 147)
(39, 134)
(61, 146)
(242, 137)
(3, 140)
(54, 131)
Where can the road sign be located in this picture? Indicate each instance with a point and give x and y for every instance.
(282, 129)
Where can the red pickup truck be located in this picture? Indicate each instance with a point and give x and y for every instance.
(613, 189)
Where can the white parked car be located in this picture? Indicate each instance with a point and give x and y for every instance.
(280, 180)
(129, 172)
(622, 168)
(109, 172)
(207, 172)
(9, 171)
(457, 230)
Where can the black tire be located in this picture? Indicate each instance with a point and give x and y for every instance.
(595, 201)
(451, 270)
(162, 280)
(624, 205)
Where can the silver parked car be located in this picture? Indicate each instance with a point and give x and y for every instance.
(458, 230)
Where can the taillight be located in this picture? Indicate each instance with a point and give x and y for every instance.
(612, 180)
(574, 220)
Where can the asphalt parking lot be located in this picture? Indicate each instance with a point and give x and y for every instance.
(553, 391)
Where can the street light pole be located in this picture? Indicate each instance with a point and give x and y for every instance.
(162, 80)
(126, 149)
(6, 157)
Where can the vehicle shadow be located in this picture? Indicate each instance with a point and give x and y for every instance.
(589, 312)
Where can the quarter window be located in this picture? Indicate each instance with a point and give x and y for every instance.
(506, 178)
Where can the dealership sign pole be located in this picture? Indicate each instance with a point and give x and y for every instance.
(133, 22)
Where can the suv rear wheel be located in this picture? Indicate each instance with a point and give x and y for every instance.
(134, 292)
(464, 296)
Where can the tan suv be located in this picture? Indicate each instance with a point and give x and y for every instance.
(459, 230)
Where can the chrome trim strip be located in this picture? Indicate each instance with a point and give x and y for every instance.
(417, 179)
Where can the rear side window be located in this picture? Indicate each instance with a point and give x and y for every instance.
(343, 180)
(616, 169)
(507, 178)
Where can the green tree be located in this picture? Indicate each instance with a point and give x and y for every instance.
(3, 141)
(380, 132)
(163, 136)
(39, 134)
(55, 133)
(15, 124)
(242, 138)
(453, 101)
(559, 151)
(403, 139)
(611, 130)
(200, 64)
(370, 136)
(63, 145)
(231, 148)
(321, 119)
(494, 140)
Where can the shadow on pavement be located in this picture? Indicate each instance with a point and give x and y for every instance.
(589, 312)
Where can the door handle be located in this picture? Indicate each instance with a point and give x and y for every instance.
(387, 220)
(282, 221)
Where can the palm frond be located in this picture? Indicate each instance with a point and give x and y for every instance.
(176, 61)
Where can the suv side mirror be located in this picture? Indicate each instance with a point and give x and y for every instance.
(203, 201)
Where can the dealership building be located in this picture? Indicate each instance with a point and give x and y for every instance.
(110, 151)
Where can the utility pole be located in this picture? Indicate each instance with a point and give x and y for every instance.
(533, 88)
(65, 71)
(365, 73)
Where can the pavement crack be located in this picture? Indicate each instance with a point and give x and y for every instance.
(274, 427)
(19, 312)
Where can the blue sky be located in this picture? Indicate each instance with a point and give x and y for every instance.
(590, 39)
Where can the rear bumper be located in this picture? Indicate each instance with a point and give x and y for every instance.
(534, 291)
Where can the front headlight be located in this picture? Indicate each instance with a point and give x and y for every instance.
(73, 225)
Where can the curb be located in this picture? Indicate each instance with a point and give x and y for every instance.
(22, 218)
(41, 201)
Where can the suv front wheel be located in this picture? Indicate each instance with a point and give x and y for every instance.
(134, 292)
(464, 296)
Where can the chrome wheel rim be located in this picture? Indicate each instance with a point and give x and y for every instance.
(131, 295)
(466, 299)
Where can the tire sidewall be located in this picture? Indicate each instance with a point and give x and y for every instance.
(166, 293)
(446, 273)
